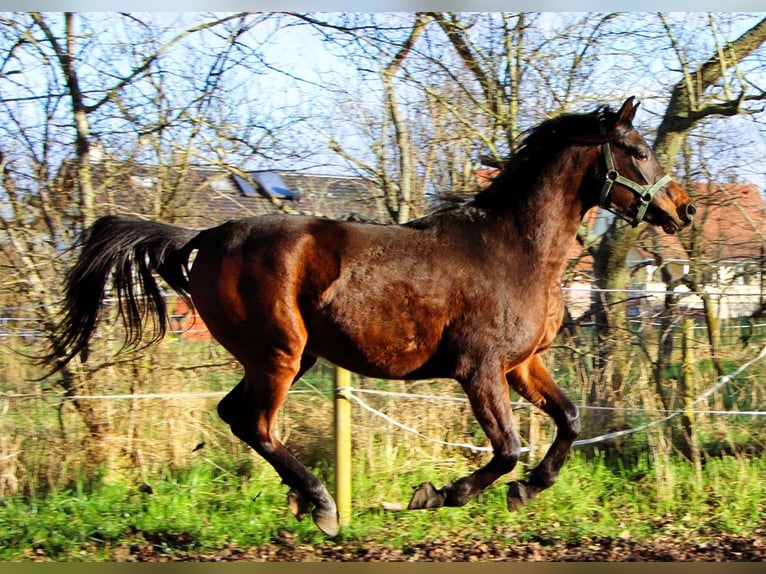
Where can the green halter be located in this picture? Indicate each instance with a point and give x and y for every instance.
(645, 193)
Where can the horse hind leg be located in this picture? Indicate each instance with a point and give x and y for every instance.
(250, 409)
(297, 504)
(492, 408)
(227, 407)
(534, 382)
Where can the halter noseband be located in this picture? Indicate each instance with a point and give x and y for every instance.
(644, 193)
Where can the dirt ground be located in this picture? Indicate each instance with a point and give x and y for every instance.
(726, 548)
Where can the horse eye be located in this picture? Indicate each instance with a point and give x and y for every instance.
(642, 155)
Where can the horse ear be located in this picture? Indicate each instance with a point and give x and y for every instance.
(628, 110)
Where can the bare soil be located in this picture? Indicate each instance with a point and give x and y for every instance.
(724, 548)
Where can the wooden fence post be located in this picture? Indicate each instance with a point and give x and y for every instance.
(343, 445)
(688, 391)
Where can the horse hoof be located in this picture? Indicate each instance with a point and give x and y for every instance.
(297, 504)
(327, 522)
(426, 496)
(518, 495)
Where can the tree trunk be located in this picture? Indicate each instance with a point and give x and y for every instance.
(684, 111)
(613, 335)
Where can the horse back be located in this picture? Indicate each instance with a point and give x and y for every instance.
(382, 300)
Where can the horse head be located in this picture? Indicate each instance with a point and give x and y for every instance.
(635, 187)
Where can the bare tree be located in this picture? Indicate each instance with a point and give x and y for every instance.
(428, 95)
(714, 87)
(73, 97)
(380, 50)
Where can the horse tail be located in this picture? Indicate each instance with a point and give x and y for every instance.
(129, 250)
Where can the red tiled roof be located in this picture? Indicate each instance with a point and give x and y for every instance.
(730, 225)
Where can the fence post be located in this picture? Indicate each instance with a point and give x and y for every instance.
(688, 392)
(343, 446)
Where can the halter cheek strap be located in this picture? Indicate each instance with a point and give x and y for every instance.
(644, 193)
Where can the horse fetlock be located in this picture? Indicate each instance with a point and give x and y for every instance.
(574, 427)
(543, 476)
(325, 515)
(297, 504)
(520, 493)
(458, 493)
(425, 495)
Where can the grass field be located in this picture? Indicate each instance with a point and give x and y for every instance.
(158, 489)
(208, 506)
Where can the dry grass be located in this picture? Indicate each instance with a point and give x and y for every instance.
(44, 443)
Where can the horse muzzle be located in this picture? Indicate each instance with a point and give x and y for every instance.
(684, 216)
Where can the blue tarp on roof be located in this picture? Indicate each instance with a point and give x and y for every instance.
(269, 182)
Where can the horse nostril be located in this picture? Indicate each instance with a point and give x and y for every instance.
(689, 211)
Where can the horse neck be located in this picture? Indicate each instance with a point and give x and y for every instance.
(546, 214)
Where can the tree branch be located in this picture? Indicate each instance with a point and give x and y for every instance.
(685, 109)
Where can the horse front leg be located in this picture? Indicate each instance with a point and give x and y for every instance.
(491, 405)
(533, 381)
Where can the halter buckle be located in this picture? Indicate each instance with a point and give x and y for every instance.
(644, 193)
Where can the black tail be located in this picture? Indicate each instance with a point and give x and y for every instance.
(130, 249)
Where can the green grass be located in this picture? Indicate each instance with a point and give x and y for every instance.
(224, 494)
(197, 509)
(207, 506)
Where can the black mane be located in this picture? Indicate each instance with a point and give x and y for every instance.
(536, 149)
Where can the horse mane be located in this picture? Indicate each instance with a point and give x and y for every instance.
(538, 146)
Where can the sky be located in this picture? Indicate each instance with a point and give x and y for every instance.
(304, 59)
(385, 5)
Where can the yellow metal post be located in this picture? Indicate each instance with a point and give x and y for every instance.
(343, 445)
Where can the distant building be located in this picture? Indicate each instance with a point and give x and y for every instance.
(729, 228)
(728, 238)
(201, 197)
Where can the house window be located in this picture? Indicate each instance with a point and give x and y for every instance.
(144, 182)
(245, 186)
(222, 185)
(650, 270)
(273, 184)
(750, 274)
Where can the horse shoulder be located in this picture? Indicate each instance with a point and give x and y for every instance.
(554, 315)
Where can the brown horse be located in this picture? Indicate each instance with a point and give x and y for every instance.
(470, 292)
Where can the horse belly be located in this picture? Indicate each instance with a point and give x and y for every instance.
(383, 333)
(391, 361)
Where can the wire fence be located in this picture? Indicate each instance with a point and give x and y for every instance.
(378, 404)
(668, 414)
(733, 304)
(353, 393)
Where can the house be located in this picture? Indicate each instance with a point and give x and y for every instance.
(724, 252)
(199, 196)
(726, 249)
(728, 235)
